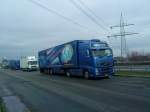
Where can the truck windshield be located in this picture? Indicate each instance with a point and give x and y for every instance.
(101, 53)
(32, 62)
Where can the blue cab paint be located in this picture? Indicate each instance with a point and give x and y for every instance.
(78, 57)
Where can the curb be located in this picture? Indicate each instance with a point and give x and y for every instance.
(2, 106)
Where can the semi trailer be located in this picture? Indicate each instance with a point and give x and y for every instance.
(14, 64)
(28, 63)
(88, 58)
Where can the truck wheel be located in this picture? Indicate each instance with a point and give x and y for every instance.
(51, 72)
(108, 77)
(86, 75)
(48, 71)
(41, 70)
(45, 71)
(68, 74)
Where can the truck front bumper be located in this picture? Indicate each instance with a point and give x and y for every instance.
(102, 73)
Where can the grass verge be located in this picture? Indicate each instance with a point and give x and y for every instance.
(133, 74)
(2, 107)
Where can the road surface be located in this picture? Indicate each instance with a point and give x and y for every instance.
(44, 93)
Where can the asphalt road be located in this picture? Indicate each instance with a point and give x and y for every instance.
(44, 93)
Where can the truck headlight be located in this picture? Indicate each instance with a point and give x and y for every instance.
(96, 70)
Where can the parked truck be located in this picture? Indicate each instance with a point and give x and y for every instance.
(88, 58)
(5, 63)
(14, 64)
(28, 63)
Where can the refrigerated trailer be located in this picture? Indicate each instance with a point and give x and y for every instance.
(88, 58)
(28, 63)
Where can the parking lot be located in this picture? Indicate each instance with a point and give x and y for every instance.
(55, 93)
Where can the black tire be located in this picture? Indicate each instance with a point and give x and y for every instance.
(42, 71)
(107, 77)
(45, 71)
(86, 75)
(48, 71)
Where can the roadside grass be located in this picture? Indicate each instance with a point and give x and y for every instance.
(132, 74)
(2, 107)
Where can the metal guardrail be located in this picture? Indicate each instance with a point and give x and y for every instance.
(133, 68)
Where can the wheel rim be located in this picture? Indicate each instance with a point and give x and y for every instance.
(51, 72)
(68, 74)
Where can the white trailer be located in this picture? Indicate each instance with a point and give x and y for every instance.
(28, 63)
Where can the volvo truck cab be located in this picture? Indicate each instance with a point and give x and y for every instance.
(97, 61)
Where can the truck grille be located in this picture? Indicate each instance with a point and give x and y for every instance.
(33, 66)
(103, 64)
(106, 67)
(105, 70)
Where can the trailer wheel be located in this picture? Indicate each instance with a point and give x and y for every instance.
(48, 71)
(45, 71)
(86, 75)
(51, 72)
(68, 74)
(41, 70)
(107, 77)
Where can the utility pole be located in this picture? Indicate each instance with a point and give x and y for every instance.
(122, 35)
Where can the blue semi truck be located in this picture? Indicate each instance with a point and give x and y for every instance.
(14, 64)
(88, 58)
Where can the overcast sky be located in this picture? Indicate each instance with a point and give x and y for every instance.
(26, 28)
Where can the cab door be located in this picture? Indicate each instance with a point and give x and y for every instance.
(85, 58)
